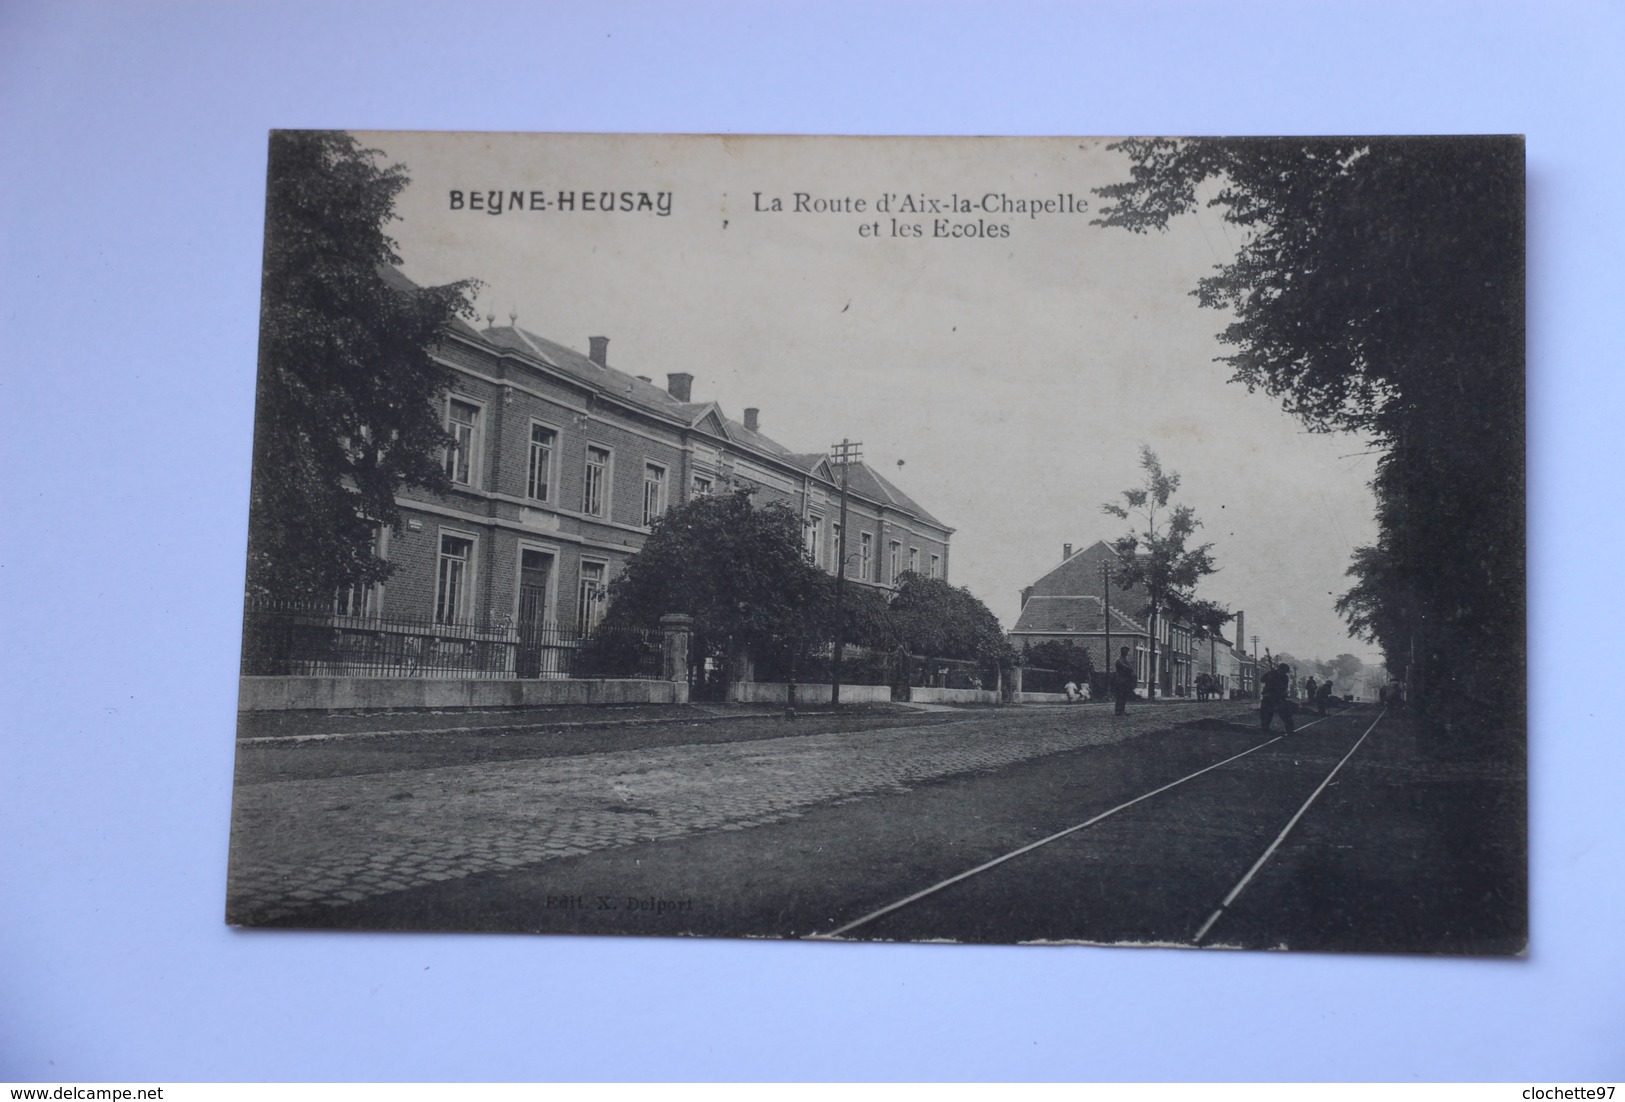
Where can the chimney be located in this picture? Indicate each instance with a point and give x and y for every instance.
(1066, 551)
(678, 384)
(1026, 592)
(751, 418)
(599, 350)
(1241, 633)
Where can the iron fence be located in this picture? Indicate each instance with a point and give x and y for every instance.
(289, 639)
(952, 673)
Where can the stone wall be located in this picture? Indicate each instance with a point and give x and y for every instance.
(778, 692)
(922, 694)
(264, 694)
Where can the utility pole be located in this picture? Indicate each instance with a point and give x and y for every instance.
(842, 456)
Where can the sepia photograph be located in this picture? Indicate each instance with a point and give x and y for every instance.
(1063, 540)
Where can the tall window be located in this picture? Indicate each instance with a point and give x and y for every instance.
(811, 544)
(914, 560)
(654, 492)
(543, 440)
(894, 561)
(596, 485)
(364, 600)
(451, 584)
(463, 422)
(356, 600)
(835, 542)
(590, 601)
(866, 560)
(936, 566)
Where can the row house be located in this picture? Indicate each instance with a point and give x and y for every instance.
(561, 464)
(1069, 604)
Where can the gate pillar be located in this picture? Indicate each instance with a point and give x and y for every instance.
(676, 629)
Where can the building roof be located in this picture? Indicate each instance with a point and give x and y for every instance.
(865, 480)
(1084, 614)
(739, 434)
(609, 380)
(1079, 573)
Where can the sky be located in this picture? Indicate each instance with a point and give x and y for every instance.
(1006, 380)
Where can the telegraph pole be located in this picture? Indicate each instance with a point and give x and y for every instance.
(842, 455)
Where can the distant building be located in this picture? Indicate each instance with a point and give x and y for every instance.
(1069, 604)
(1231, 670)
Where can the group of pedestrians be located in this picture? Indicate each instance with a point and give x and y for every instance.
(1275, 692)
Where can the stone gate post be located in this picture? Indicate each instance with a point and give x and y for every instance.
(676, 629)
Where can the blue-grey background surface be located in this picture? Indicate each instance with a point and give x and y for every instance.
(132, 146)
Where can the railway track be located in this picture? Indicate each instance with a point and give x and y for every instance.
(1262, 828)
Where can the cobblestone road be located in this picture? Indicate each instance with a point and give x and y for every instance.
(303, 844)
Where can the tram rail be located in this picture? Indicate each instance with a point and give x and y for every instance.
(1230, 897)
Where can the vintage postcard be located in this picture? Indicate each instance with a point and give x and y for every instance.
(1017, 540)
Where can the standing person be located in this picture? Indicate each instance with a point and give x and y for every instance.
(1071, 691)
(1274, 699)
(1310, 689)
(1324, 697)
(1123, 680)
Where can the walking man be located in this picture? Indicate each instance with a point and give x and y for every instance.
(1123, 680)
(1273, 698)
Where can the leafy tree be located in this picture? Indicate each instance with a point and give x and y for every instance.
(1156, 556)
(933, 619)
(1207, 618)
(737, 568)
(347, 406)
(1378, 288)
(1344, 669)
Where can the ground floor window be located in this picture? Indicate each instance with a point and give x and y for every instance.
(591, 597)
(365, 600)
(452, 579)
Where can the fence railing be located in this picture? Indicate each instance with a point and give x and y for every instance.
(284, 639)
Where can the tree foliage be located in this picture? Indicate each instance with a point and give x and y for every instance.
(739, 570)
(1155, 555)
(736, 567)
(1345, 668)
(347, 406)
(933, 619)
(1377, 288)
(1348, 288)
(1207, 618)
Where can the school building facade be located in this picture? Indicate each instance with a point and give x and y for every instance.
(560, 466)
